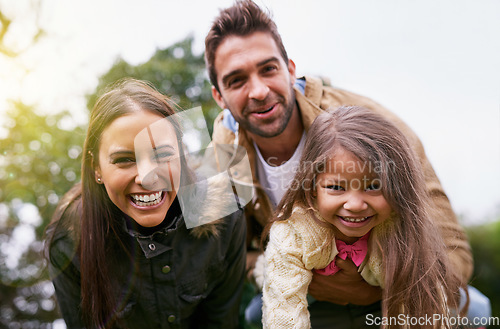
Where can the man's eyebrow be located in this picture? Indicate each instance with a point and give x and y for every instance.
(228, 76)
(267, 60)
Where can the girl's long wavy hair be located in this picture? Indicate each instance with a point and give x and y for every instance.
(101, 223)
(417, 274)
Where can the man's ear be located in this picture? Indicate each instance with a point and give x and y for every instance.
(218, 98)
(291, 71)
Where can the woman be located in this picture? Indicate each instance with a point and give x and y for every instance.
(120, 253)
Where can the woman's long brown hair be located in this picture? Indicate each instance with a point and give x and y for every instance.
(417, 274)
(100, 226)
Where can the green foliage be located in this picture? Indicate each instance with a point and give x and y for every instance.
(40, 159)
(174, 71)
(485, 243)
(39, 162)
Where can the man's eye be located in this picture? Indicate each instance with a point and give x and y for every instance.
(235, 82)
(269, 68)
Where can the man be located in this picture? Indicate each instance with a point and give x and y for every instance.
(268, 111)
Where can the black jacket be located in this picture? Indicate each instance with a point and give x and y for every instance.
(176, 278)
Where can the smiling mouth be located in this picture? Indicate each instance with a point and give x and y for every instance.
(265, 111)
(145, 200)
(355, 220)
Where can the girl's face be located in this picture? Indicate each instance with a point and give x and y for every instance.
(139, 165)
(349, 196)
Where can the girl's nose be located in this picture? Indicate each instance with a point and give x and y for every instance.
(355, 203)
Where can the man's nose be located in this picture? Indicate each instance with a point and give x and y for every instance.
(258, 89)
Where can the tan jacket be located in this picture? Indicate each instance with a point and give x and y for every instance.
(316, 99)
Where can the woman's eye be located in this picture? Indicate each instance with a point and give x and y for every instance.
(124, 160)
(163, 156)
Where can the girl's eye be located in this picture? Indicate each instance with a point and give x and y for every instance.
(374, 186)
(334, 187)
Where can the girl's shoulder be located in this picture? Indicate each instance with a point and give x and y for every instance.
(303, 226)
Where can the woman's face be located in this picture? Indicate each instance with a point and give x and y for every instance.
(139, 165)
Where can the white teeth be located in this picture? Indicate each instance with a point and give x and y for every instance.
(147, 199)
(354, 220)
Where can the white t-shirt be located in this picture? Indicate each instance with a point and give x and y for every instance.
(276, 179)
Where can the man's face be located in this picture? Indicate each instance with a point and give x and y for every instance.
(255, 83)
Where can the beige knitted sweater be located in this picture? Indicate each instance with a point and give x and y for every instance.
(296, 247)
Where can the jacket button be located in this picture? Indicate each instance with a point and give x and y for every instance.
(165, 269)
(171, 318)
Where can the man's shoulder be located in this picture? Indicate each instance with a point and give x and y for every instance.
(225, 128)
(319, 94)
(320, 91)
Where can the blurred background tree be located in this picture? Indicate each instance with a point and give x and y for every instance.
(176, 72)
(485, 242)
(40, 160)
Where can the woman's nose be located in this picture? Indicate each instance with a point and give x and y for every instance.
(148, 180)
(147, 174)
(154, 177)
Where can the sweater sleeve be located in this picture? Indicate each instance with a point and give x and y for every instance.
(286, 280)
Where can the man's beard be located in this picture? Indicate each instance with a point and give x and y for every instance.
(282, 121)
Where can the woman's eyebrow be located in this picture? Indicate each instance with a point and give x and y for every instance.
(163, 146)
(121, 153)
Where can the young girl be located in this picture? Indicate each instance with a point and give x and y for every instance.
(359, 195)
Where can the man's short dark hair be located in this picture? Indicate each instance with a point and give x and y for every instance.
(241, 19)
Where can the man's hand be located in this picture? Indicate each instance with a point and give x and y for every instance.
(346, 286)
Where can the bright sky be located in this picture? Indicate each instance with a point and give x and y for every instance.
(434, 63)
